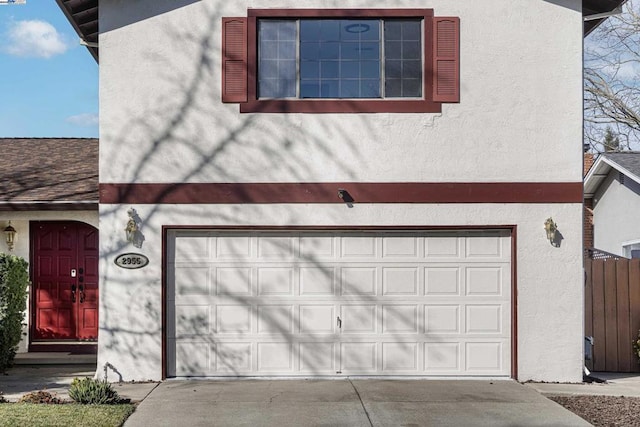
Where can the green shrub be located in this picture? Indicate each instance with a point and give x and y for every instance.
(40, 397)
(91, 391)
(14, 282)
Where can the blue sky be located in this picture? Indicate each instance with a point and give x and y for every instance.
(48, 81)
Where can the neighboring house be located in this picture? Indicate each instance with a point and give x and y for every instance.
(357, 189)
(612, 189)
(49, 195)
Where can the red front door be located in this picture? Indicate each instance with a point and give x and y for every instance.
(65, 281)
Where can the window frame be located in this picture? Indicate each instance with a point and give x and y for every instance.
(355, 105)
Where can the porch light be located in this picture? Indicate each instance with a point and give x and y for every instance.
(552, 229)
(10, 233)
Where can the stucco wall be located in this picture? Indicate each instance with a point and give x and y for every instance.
(549, 279)
(519, 120)
(20, 221)
(162, 120)
(615, 215)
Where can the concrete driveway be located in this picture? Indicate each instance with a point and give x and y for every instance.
(368, 402)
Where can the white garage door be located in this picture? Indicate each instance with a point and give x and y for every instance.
(338, 303)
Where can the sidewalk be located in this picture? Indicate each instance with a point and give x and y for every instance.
(617, 384)
(54, 372)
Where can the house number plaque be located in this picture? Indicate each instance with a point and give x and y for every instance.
(131, 260)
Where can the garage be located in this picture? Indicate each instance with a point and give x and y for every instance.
(338, 303)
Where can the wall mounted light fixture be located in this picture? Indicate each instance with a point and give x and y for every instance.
(552, 232)
(10, 234)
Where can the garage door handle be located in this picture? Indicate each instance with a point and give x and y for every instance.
(339, 322)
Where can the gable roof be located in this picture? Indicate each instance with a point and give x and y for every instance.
(49, 173)
(83, 16)
(626, 162)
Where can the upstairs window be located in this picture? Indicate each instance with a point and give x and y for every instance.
(340, 60)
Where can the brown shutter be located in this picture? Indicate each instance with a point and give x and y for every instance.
(446, 59)
(234, 59)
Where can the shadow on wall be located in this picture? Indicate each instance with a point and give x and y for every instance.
(184, 124)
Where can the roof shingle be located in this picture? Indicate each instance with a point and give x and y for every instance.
(48, 170)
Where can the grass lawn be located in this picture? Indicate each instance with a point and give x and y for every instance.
(67, 415)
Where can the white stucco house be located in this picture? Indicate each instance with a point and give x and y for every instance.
(348, 188)
(612, 189)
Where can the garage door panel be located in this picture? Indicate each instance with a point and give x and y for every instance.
(400, 281)
(233, 357)
(360, 281)
(193, 358)
(233, 247)
(192, 319)
(317, 319)
(317, 248)
(442, 281)
(276, 248)
(233, 319)
(484, 319)
(486, 281)
(483, 357)
(192, 280)
(400, 357)
(358, 357)
(442, 358)
(234, 280)
(275, 281)
(400, 319)
(394, 247)
(358, 247)
(359, 319)
(442, 319)
(317, 281)
(317, 357)
(339, 303)
(275, 357)
(275, 319)
(190, 247)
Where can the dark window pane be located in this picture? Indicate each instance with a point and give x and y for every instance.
(412, 69)
(393, 69)
(370, 69)
(350, 51)
(287, 31)
(309, 50)
(411, 88)
(310, 89)
(287, 69)
(370, 50)
(268, 30)
(309, 30)
(392, 50)
(392, 88)
(330, 30)
(309, 70)
(350, 69)
(330, 89)
(412, 30)
(370, 88)
(269, 50)
(350, 89)
(268, 69)
(329, 69)
(287, 50)
(330, 50)
(411, 50)
(392, 30)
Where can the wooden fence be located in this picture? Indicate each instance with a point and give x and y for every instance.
(612, 313)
